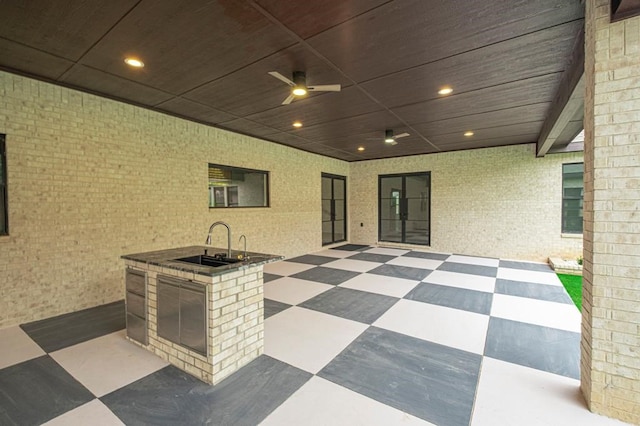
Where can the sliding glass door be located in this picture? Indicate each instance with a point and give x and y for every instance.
(404, 208)
(334, 209)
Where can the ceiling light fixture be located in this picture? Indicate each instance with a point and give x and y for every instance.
(300, 83)
(388, 136)
(133, 62)
(361, 148)
(468, 133)
(297, 124)
(299, 91)
(445, 91)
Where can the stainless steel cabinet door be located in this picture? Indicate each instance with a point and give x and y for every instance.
(193, 317)
(168, 310)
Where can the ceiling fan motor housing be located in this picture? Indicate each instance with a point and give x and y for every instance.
(300, 78)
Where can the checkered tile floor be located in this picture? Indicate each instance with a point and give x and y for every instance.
(353, 335)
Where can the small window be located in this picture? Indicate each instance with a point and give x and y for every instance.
(4, 207)
(572, 193)
(236, 187)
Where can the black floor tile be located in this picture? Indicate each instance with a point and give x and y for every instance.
(312, 259)
(425, 255)
(542, 348)
(326, 275)
(38, 390)
(269, 277)
(172, 397)
(465, 268)
(67, 330)
(529, 266)
(372, 257)
(452, 297)
(272, 307)
(406, 272)
(351, 304)
(551, 293)
(352, 247)
(434, 382)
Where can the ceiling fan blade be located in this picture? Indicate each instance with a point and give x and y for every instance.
(391, 143)
(401, 135)
(324, 88)
(289, 99)
(281, 77)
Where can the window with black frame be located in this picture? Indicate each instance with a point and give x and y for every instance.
(4, 208)
(237, 187)
(572, 193)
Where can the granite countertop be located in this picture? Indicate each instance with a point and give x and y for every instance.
(167, 259)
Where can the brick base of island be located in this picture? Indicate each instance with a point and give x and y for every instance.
(225, 313)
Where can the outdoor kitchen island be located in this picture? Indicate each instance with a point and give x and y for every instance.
(199, 308)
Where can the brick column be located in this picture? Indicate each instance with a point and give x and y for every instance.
(610, 364)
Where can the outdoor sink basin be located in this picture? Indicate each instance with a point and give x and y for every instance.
(205, 260)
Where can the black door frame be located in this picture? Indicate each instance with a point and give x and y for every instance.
(333, 207)
(404, 204)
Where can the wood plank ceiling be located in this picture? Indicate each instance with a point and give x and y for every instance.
(208, 61)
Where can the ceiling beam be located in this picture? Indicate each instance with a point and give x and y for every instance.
(567, 105)
(623, 9)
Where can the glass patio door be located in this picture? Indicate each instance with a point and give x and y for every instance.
(334, 209)
(404, 209)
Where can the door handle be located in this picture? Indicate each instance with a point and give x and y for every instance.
(333, 210)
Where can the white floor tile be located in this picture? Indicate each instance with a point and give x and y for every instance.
(124, 361)
(352, 265)
(415, 262)
(510, 394)
(439, 324)
(381, 284)
(473, 260)
(308, 339)
(540, 312)
(93, 413)
(321, 402)
(292, 290)
(17, 347)
(529, 276)
(387, 251)
(455, 279)
(340, 254)
(285, 268)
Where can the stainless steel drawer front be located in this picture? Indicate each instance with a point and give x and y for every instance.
(136, 305)
(136, 281)
(137, 328)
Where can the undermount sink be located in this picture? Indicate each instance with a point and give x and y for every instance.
(205, 260)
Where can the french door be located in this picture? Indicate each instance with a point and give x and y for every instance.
(334, 209)
(404, 208)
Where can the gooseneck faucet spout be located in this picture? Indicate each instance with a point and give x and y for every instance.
(213, 225)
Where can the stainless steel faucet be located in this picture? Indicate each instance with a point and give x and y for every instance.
(213, 225)
(244, 255)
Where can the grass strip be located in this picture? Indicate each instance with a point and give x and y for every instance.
(573, 284)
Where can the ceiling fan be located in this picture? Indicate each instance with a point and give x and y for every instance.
(299, 85)
(390, 139)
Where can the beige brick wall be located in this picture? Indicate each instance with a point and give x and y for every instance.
(611, 318)
(91, 179)
(500, 202)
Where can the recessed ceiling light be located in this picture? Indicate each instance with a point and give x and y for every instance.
(297, 124)
(134, 62)
(445, 91)
(361, 148)
(468, 133)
